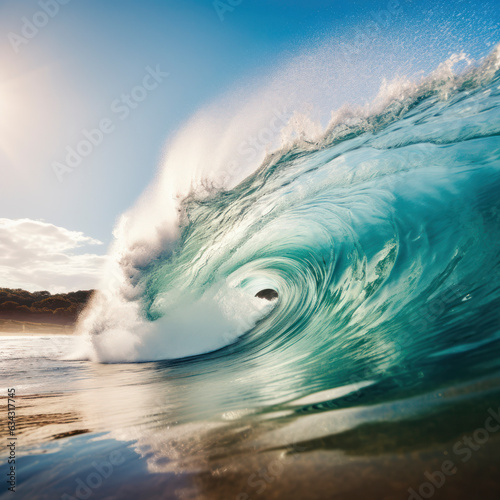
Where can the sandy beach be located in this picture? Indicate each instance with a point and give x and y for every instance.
(14, 328)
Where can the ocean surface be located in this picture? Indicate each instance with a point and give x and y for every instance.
(377, 365)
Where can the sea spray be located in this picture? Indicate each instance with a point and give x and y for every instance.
(354, 227)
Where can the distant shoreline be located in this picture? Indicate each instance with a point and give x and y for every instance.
(33, 313)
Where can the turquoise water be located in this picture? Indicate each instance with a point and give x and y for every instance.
(380, 354)
(380, 239)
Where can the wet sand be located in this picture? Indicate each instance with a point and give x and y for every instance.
(72, 417)
(12, 327)
(378, 461)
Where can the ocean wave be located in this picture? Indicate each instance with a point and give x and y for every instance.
(378, 232)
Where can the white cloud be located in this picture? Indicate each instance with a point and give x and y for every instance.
(35, 255)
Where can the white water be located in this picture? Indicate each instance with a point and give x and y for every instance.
(220, 146)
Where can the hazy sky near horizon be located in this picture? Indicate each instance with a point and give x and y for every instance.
(72, 72)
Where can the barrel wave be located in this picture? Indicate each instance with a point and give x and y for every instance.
(379, 235)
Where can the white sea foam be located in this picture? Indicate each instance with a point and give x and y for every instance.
(218, 148)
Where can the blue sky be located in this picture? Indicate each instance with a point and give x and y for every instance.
(66, 77)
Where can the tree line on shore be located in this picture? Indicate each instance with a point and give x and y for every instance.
(61, 308)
